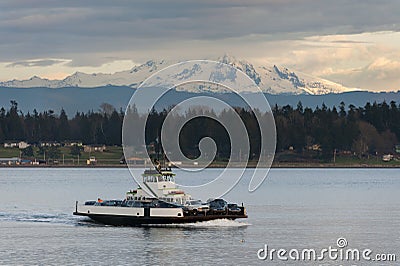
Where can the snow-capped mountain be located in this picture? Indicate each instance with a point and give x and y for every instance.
(270, 78)
(277, 80)
(131, 77)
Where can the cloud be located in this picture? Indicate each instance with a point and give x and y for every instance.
(54, 28)
(384, 64)
(36, 63)
(367, 60)
(323, 38)
(24, 70)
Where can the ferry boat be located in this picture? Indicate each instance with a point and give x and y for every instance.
(169, 205)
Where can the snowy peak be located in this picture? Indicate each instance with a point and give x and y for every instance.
(277, 80)
(243, 66)
(270, 78)
(34, 81)
(291, 76)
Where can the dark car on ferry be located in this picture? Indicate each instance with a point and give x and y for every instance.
(218, 206)
(234, 208)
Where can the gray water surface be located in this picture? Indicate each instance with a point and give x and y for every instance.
(293, 209)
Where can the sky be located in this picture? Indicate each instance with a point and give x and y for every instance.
(354, 42)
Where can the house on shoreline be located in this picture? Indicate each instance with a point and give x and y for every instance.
(14, 161)
(10, 161)
(94, 148)
(16, 144)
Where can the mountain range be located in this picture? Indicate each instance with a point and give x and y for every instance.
(272, 79)
(82, 92)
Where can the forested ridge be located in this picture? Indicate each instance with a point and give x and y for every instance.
(371, 129)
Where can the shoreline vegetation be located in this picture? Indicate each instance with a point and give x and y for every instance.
(356, 137)
(112, 157)
(220, 165)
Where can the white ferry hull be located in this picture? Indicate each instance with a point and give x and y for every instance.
(127, 216)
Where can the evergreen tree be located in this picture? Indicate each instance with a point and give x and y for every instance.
(76, 150)
(13, 124)
(63, 127)
(27, 152)
(53, 152)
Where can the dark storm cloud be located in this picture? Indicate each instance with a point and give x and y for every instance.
(75, 28)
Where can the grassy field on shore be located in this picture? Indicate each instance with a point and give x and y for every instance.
(111, 157)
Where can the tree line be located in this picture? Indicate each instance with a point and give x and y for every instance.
(100, 127)
(371, 129)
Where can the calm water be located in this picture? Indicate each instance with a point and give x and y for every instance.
(294, 208)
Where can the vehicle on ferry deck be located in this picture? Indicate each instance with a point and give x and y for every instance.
(218, 206)
(234, 208)
(196, 206)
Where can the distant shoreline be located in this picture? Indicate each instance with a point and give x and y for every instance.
(274, 166)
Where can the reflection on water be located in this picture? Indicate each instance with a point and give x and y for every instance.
(294, 208)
